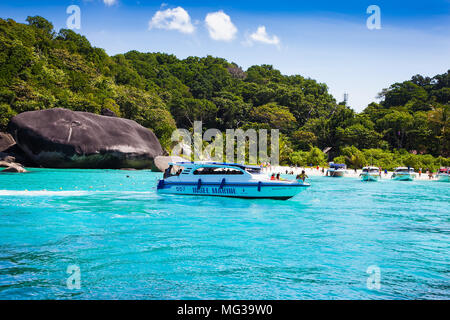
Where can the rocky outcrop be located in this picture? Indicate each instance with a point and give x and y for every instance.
(162, 162)
(107, 112)
(6, 141)
(11, 167)
(10, 152)
(6, 157)
(61, 138)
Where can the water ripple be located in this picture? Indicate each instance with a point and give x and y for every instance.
(131, 243)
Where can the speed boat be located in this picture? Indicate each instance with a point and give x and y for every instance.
(336, 170)
(443, 174)
(404, 174)
(227, 180)
(370, 174)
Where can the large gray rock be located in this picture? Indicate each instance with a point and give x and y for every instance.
(6, 157)
(61, 138)
(6, 141)
(162, 162)
(10, 152)
(11, 167)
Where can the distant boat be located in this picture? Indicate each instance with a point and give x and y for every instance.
(227, 180)
(444, 174)
(404, 174)
(370, 174)
(336, 170)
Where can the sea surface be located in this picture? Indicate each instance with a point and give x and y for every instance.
(130, 243)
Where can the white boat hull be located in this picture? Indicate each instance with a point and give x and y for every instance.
(336, 173)
(370, 177)
(404, 177)
(264, 190)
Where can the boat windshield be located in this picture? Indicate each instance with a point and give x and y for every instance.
(253, 170)
(217, 171)
(337, 166)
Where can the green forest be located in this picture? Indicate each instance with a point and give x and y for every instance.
(41, 68)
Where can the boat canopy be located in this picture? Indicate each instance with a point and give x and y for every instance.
(370, 169)
(196, 164)
(338, 166)
(404, 169)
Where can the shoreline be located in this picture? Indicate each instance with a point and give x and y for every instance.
(313, 172)
(310, 171)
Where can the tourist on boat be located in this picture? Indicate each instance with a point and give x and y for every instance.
(272, 177)
(278, 176)
(167, 172)
(302, 176)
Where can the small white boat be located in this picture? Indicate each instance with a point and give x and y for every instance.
(370, 174)
(443, 175)
(404, 174)
(336, 170)
(227, 180)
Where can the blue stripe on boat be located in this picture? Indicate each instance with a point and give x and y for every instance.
(234, 184)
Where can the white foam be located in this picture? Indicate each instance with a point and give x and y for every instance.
(41, 193)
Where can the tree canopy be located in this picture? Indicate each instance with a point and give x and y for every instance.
(41, 68)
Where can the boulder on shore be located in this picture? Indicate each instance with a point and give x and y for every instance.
(10, 152)
(6, 157)
(61, 138)
(162, 162)
(6, 141)
(11, 167)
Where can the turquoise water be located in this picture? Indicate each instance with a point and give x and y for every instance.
(131, 243)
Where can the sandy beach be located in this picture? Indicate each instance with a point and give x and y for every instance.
(350, 172)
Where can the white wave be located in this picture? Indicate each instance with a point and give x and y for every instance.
(41, 193)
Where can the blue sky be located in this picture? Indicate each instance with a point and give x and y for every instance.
(325, 40)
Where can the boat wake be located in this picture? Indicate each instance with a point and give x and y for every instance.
(74, 193)
(41, 193)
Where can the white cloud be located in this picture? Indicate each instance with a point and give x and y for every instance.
(110, 2)
(172, 19)
(220, 26)
(261, 36)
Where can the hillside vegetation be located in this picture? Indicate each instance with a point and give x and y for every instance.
(41, 68)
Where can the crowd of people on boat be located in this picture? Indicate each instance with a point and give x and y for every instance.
(301, 176)
(168, 172)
